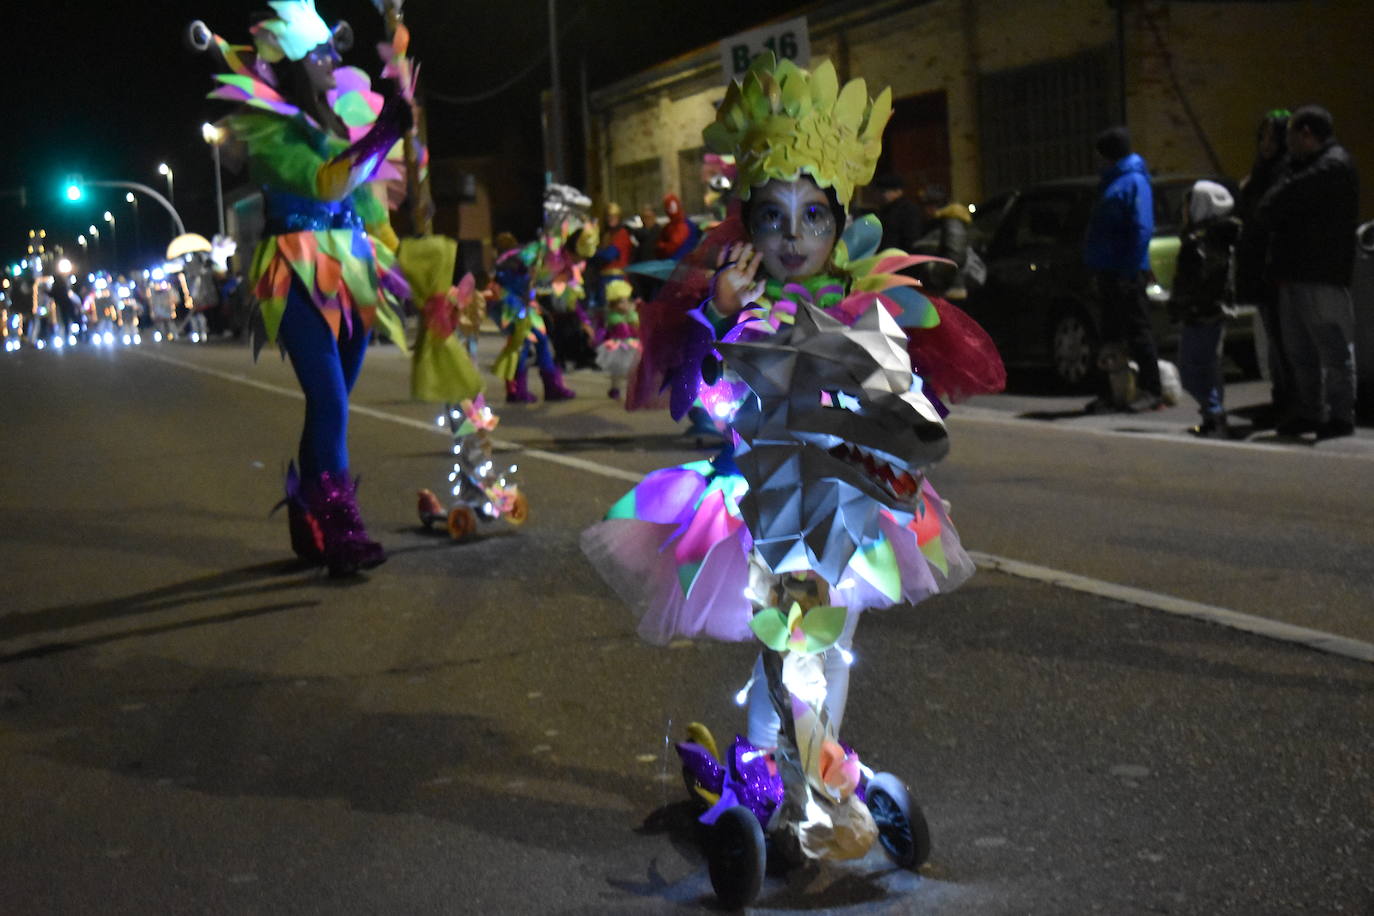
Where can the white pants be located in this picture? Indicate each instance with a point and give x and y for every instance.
(763, 718)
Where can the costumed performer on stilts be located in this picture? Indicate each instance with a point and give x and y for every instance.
(316, 137)
(826, 369)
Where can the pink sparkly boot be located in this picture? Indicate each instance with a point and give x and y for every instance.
(331, 498)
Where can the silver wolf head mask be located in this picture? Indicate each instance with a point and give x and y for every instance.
(838, 429)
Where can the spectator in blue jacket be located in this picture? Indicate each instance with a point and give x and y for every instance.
(1117, 250)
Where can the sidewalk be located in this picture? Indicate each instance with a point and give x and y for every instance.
(1030, 397)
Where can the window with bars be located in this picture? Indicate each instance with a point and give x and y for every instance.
(634, 184)
(1039, 121)
(689, 178)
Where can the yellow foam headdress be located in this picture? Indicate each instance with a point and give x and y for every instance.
(781, 121)
(294, 32)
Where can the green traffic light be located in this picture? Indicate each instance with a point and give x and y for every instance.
(73, 192)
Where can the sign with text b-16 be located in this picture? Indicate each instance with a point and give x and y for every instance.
(787, 39)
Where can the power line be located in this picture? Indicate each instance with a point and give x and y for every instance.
(539, 61)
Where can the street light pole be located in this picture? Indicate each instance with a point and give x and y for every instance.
(114, 238)
(144, 189)
(166, 170)
(95, 234)
(215, 136)
(133, 202)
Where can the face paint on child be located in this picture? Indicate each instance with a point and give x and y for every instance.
(792, 226)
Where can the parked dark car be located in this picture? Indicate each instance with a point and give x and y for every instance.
(1037, 301)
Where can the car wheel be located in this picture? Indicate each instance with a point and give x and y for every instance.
(1073, 348)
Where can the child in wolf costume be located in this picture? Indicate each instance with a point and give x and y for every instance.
(825, 368)
(318, 140)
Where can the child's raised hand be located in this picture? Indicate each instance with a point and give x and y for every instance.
(736, 283)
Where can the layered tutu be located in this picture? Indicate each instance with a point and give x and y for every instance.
(676, 551)
(616, 357)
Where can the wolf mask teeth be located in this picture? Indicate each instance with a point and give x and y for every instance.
(837, 430)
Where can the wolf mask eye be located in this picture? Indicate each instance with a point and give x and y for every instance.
(838, 400)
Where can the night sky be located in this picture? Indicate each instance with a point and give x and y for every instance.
(108, 89)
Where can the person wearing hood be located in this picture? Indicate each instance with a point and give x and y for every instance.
(1201, 297)
(1311, 215)
(1117, 251)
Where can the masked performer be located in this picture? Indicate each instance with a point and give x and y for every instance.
(523, 324)
(316, 138)
(826, 369)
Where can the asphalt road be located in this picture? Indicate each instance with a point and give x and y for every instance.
(191, 723)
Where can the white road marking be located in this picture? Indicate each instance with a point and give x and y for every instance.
(428, 426)
(1236, 620)
(1181, 607)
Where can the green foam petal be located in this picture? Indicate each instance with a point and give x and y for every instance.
(825, 85)
(849, 107)
(353, 108)
(822, 626)
(687, 574)
(876, 564)
(624, 507)
(878, 115)
(770, 626)
(934, 550)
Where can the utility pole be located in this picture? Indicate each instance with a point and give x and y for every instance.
(556, 100)
(417, 191)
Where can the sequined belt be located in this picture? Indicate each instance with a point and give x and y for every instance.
(288, 213)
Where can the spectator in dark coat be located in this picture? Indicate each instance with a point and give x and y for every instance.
(904, 222)
(646, 234)
(1311, 214)
(1117, 250)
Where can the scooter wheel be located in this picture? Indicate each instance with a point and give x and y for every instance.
(736, 857)
(902, 828)
(519, 510)
(429, 508)
(462, 521)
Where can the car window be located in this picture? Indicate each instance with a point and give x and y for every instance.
(1045, 221)
(1168, 202)
(987, 217)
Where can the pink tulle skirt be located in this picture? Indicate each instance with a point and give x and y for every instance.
(677, 553)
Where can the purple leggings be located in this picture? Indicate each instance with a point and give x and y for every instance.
(326, 368)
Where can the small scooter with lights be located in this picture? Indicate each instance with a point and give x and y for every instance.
(129, 315)
(480, 491)
(162, 306)
(810, 797)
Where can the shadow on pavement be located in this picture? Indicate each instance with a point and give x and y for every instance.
(253, 734)
(53, 648)
(246, 581)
